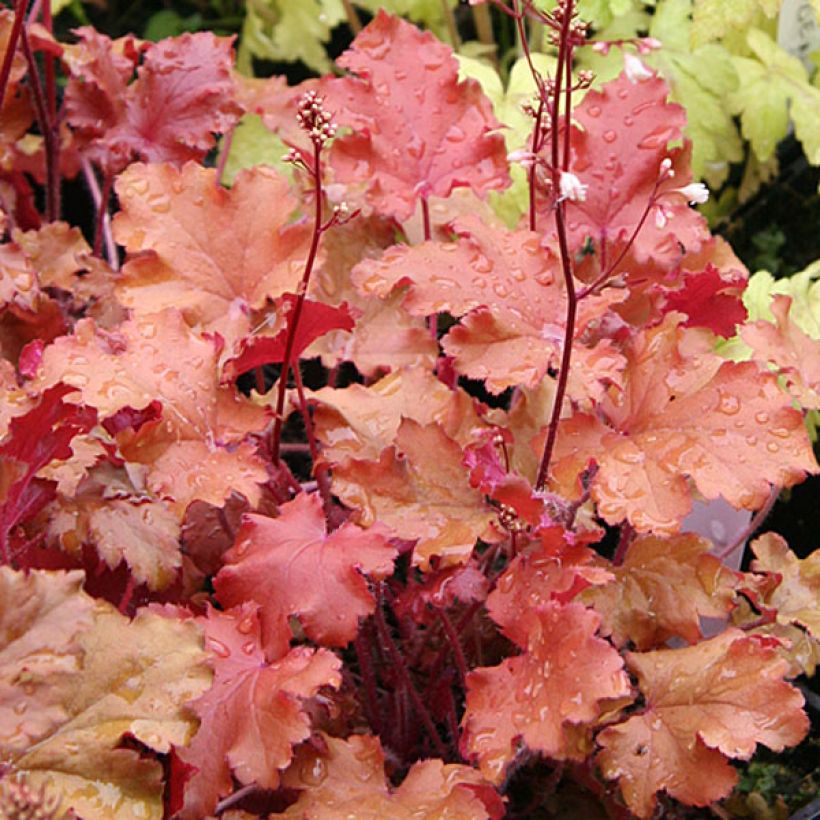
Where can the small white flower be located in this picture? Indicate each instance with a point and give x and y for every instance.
(635, 69)
(696, 193)
(667, 171)
(572, 187)
(522, 156)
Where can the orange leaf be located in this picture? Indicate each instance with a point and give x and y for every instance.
(253, 714)
(360, 422)
(544, 696)
(211, 252)
(507, 283)
(796, 354)
(347, 779)
(420, 489)
(195, 449)
(290, 565)
(714, 700)
(434, 132)
(659, 592)
(683, 415)
(144, 534)
(537, 576)
(797, 596)
(82, 683)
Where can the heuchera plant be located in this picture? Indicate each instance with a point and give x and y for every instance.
(381, 587)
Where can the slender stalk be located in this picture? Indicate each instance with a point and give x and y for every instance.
(97, 197)
(450, 22)
(484, 29)
(371, 703)
(224, 154)
(11, 49)
(404, 675)
(53, 209)
(558, 162)
(296, 313)
(425, 217)
(47, 130)
(352, 17)
(455, 643)
(102, 213)
(757, 521)
(627, 536)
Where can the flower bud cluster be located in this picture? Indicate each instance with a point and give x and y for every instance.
(314, 120)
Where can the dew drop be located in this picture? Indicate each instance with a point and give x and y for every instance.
(313, 772)
(610, 136)
(218, 648)
(629, 121)
(248, 647)
(245, 626)
(772, 446)
(729, 404)
(751, 440)
(761, 417)
(455, 134)
(780, 432)
(594, 111)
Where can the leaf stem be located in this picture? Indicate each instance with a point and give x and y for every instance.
(455, 643)
(47, 130)
(296, 313)
(558, 161)
(97, 197)
(103, 216)
(757, 521)
(352, 17)
(404, 675)
(11, 47)
(452, 28)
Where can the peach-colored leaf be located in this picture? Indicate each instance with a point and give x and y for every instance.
(661, 590)
(507, 284)
(290, 565)
(785, 345)
(253, 714)
(704, 704)
(85, 678)
(797, 596)
(144, 533)
(683, 415)
(360, 422)
(418, 131)
(195, 450)
(212, 253)
(543, 696)
(347, 779)
(420, 489)
(627, 127)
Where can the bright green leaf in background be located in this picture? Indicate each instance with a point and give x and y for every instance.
(286, 31)
(254, 144)
(714, 19)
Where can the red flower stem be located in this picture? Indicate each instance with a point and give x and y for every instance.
(127, 594)
(102, 213)
(11, 48)
(627, 536)
(371, 700)
(293, 318)
(319, 470)
(54, 121)
(259, 378)
(613, 267)
(404, 675)
(46, 129)
(425, 216)
(760, 516)
(564, 63)
(536, 147)
(96, 196)
(455, 644)
(227, 141)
